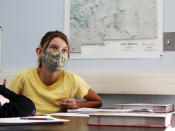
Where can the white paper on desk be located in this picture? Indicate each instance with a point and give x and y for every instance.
(170, 128)
(69, 114)
(18, 120)
(92, 110)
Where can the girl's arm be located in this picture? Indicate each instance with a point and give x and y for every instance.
(92, 101)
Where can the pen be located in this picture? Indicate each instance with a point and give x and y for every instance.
(73, 93)
(30, 118)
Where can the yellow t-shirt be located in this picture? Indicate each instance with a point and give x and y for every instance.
(46, 98)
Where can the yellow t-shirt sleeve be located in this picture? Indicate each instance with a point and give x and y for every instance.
(81, 87)
(16, 85)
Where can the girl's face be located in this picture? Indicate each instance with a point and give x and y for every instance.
(55, 56)
(57, 44)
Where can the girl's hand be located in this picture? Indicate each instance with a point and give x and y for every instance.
(69, 104)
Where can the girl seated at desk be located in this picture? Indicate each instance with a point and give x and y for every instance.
(51, 88)
(13, 105)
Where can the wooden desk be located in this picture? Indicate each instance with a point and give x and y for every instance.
(76, 124)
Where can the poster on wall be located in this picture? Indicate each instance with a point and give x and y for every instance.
(100, 29)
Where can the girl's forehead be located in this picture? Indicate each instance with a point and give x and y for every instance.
(58, 41)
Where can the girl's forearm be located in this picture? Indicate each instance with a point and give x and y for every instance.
(88, 104)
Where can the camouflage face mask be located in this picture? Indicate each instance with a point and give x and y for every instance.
(55, 61)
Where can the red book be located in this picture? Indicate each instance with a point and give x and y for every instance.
(156, 120)
(173, 119)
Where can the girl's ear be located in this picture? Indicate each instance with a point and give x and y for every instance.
(39, 52)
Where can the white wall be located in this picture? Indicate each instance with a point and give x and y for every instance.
(169, 16)
(24, 22)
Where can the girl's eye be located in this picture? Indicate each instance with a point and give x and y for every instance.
(64, 50)
(53, 48)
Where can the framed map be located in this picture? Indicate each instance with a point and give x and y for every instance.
(114, 28)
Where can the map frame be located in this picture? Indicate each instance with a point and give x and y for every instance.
(111, 49)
